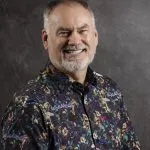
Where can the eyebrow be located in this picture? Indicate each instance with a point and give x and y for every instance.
(84, 26)
(63, 29)
(68, 29)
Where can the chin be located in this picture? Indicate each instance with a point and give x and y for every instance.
(73, 66)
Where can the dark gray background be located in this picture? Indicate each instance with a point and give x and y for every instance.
(123, 52)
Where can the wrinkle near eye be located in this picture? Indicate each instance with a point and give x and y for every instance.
(63, 33)
(83, 31)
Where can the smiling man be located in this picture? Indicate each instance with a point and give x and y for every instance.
(70, 36)
(68, 106)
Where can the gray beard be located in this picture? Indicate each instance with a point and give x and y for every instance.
(73, 65)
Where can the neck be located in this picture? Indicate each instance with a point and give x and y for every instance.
(78, 76)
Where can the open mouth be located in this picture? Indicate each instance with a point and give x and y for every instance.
(73, 51)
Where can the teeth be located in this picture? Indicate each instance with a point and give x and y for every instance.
(74, 51)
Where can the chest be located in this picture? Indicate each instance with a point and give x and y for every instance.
(84, 120)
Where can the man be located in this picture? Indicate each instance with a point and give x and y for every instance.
(68, 106)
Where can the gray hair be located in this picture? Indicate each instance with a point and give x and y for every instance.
(54, 3)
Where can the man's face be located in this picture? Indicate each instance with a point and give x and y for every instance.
(71, 38)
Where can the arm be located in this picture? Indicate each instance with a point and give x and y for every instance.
(23, 128)
(129, 139)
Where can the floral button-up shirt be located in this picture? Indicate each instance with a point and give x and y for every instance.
(54, 113)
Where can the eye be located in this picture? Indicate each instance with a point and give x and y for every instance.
(83, 31)
(64, 33)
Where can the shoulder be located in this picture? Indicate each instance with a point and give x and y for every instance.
(104, 80)
(34, 92)
(27, 100)
(108, 85)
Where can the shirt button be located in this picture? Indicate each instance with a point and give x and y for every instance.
(92, 146)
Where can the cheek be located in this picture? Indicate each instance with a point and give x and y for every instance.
(55, 47)
(86, 37)
(86, 40)
(59, 43)
(94, 41)
(89, 39)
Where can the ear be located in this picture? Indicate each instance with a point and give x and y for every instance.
(45, 39)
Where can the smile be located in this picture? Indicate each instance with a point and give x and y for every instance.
(75, 51)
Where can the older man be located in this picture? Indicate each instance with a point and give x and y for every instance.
(68, 106)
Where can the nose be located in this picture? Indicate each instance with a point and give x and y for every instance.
(74, 38)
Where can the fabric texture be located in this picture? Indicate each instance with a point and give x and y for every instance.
(53, 113)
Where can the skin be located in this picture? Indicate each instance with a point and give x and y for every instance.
(71, 40)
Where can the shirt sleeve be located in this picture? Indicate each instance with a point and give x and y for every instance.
(129, 139)
(23, 128)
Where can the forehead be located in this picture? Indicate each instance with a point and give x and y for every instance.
(70, 15)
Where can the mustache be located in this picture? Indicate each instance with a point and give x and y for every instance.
(74, 47)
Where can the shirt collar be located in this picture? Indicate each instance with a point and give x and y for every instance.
(51, 71)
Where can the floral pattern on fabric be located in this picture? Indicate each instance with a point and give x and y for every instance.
(53, 113)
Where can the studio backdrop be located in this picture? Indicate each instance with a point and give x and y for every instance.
(123, 52)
